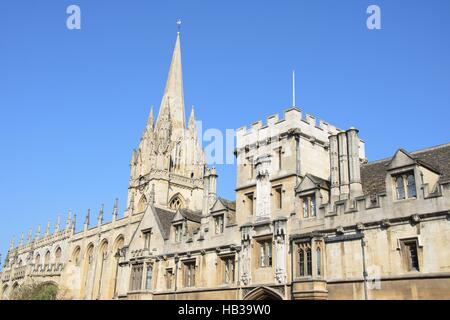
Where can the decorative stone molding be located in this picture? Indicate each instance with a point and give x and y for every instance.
(385, 224)
(415, 219)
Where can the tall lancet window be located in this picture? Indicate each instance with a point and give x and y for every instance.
(319, 258)
(400, 188)
(411, 183)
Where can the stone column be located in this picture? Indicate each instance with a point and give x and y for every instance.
(343, 165)
(334, 168)
(353, 162)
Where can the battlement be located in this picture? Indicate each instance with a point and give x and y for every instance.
(292, 118)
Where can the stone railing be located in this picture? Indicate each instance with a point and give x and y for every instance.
(47, 269)
(19, 272)
(6, 275)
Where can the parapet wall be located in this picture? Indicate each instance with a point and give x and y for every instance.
(293, 118)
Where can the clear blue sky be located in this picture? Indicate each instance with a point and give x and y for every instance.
(74, 103)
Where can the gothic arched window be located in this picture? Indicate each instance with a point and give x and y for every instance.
(76, 256)
(47, 259)
(142, 204)
(319, 270)
(176, 203)
(58, 255)
(37, 261)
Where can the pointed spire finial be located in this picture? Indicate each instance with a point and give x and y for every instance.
(115, 209)
(151, 119)
(178, 26)
(192, 118)
(47, 228)
(30, 235)
(87, 219)
(38, 233)
(21, 239)
(58, 223)
(100, 215)
(69, 219)
(11, 244)
(74, 222)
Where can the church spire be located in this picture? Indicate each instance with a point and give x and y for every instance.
(151, 120)
(192, 119)
(174, 92)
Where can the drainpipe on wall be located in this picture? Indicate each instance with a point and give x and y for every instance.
(238, 292)
(291, 247)
(363, 244)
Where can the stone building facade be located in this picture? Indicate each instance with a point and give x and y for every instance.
(312, 219)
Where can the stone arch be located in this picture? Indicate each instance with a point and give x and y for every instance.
(176, 202)
(263, 293)
(76, 256)
(14, 288)
(47, 259)
(142, 204)
(58, 253)
(37, 261)
(117, 246)
(102, 259)
(5, 292)
(88, 267)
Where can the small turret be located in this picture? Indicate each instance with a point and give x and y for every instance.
(37, 236)
(57, 224)
(29, 236)
(69, 219)
(74, 223)
(47, 228)
(100, 215)
(11, 243)
(21, 240)
(115, 209)
(87, 220)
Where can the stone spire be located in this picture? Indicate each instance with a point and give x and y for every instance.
(100, 215)
(58, 223)
(151, 120)
(30, 235)
(69, 220)
(174, 92)
(37, 236)
(47, 228)
(191, 124)
(87, 220)
(21, 240)
(11, 244)
(74, 222)
(115, 209)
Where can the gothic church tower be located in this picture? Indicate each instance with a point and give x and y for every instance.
(168, 167)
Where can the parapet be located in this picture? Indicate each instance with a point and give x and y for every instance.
(292, 118)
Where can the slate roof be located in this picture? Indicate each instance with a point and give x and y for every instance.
(164, 219)
(231, 205)
(195, 216)
(373, 174)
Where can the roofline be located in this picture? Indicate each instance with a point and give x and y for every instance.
(439, 146)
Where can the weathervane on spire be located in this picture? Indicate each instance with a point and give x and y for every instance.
(179, 25)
